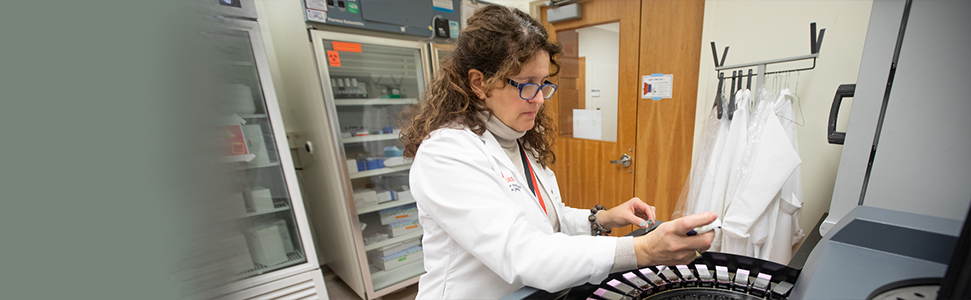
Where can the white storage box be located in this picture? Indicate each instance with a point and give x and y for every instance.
(284, 235)
(256, 144)
(403, 228)
(266, 245)
(398, 259)
(352, 166)
(385, 196)
(395, 248)
(399, 214)
(236, 203)
(364, 198)
(259, 199)
(404, 195)
(238, 252)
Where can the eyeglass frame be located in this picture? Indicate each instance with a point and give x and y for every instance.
(520, 86)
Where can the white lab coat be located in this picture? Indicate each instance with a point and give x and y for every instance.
(752, 214)
(485, 234)
(782, 228)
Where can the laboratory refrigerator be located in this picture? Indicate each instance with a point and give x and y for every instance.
(251, 238)
(368, 227)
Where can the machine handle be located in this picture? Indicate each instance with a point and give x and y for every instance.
(623, 161)
(843, 91)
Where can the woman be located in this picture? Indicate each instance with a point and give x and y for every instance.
(493, 223)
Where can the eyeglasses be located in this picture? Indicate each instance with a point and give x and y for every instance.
(529, 90)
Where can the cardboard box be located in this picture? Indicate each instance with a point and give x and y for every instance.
(236, 204)
(259, 199)
(405, 227)
(399, 259)
(385, 196)
(266, 245)
(398, 247)
(404, 195)
(256, 144)
(238, 251)
(284, 235)
(399, 214)
(364, 198)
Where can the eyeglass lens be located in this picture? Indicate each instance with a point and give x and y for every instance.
(530, 91)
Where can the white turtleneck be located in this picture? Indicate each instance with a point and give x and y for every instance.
(624, 256)
(507, 138)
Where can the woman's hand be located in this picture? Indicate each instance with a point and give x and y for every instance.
(669, 243)
(634, 211)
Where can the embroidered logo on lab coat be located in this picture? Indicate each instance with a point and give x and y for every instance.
(508, 179)
(513, 186)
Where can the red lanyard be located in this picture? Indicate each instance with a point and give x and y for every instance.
(533, 185)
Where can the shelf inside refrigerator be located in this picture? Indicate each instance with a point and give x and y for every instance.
(377, 74)
(293, 258)
(370, 138)
(252, 116)
(277, 206)
(248, 166)
(236, 63)
(375, 101)
(381, 171)
(384, 279)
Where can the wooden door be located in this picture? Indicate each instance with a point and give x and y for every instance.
(670, 44)
(582, 167)
(656, 36)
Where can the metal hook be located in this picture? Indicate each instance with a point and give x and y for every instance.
(714, 54)
(718, 95)
(731, 101)
(748, 84)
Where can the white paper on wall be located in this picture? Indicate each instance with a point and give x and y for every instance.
(587, 124)
(316, 15)
(320, 5)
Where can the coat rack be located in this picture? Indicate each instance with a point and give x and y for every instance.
(814, 45)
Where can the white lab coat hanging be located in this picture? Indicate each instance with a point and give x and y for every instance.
(485, 233)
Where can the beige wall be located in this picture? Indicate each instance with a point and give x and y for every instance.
(760, 30)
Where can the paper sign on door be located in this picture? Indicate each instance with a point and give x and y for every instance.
(657, 86)
(333, 58)
(346, 47)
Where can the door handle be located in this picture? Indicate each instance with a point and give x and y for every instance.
(843, 91)
(623, 161)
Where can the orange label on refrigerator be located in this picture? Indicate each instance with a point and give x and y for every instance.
(401, 216)
(334, 58)
(347, 47)
(410, 227)
(235, 143)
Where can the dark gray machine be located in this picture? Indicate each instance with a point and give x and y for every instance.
(427, 18)
(876, 251)
(903, 190)
(873, 253)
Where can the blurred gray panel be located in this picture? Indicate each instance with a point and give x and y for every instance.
(881, 39)
(923, 159)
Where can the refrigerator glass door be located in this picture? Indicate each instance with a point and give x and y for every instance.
(438, 53)
(259, 234)
(371, 84)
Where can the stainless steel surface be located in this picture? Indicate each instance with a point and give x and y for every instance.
(623, 161)
(767, 62)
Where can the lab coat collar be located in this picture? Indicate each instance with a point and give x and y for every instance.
(496, 151)
(492, 145)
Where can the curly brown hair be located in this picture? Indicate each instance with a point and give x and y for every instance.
(497, 41)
